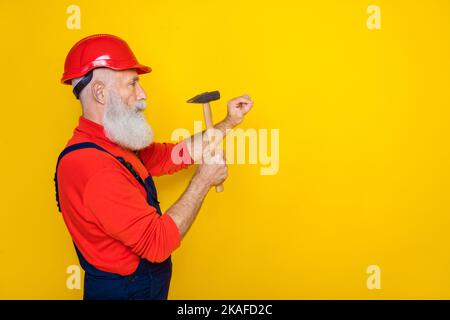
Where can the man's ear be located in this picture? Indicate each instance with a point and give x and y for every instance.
(98, 89)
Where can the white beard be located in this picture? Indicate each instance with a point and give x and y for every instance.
(127, 125)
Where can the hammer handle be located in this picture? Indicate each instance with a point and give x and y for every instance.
(209, 125)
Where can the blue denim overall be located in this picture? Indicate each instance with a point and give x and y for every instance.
(150, 281)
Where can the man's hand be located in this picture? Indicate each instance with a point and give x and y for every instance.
(213, 170)
(238, 108)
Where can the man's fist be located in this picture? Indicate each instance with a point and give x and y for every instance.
(238, 108)
(213, 170)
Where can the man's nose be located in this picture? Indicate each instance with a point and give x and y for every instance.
(140, 92)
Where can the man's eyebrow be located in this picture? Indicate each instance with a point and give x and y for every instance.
(135, 78)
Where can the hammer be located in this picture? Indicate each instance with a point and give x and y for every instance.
(205, 98)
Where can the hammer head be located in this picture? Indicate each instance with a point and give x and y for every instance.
(205, 97)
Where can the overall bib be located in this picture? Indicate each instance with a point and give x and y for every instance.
(150, 281)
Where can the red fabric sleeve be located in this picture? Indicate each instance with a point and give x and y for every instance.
(158, 158)
(124, 214)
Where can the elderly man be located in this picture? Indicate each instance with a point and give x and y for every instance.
(103, 177)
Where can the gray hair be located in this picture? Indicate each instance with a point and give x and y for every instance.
(75, 81)
(103, 74)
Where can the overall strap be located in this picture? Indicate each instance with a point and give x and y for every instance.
(148, 184)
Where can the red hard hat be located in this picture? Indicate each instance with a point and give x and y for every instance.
(100, 51)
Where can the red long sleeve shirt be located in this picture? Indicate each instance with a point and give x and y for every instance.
(105, 208)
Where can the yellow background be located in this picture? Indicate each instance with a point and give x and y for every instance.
(364, 157)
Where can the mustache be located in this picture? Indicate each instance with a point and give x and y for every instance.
(140, 105)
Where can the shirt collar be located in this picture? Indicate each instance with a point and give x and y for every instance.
(92, 129)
